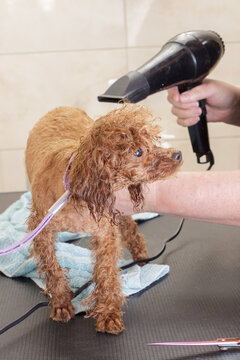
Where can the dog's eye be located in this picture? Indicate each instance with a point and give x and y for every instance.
(139, 152)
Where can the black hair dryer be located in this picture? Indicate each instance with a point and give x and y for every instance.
(184, 61)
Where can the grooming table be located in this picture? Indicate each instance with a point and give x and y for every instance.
(198, 300)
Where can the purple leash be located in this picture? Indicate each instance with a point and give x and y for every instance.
(54, 209)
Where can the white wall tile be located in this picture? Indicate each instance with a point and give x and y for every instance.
(12, 171)
(152, 22)
(50, 25)
(31, 85)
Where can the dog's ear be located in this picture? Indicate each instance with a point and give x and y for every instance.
(136, 195)
(91, 181)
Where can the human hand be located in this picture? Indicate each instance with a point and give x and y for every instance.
(222, 103)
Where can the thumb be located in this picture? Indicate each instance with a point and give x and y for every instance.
(197, 93)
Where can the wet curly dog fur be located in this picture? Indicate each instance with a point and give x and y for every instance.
(118, 150)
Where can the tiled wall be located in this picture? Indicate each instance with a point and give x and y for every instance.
(64, 52)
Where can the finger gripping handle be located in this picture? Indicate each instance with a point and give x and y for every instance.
(199, 134)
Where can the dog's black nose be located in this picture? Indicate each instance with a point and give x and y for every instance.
(177, 156)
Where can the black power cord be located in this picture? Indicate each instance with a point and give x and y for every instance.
(43, 304)
(23, 317)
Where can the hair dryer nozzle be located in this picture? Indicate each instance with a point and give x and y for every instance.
(132, 87)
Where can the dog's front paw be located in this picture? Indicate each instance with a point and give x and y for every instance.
(62, 313)
(113, 324)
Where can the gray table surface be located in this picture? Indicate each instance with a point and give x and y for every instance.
(198, 300)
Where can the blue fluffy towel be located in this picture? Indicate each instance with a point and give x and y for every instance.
(76, 259)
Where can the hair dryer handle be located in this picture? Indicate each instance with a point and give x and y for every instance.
(199, 132)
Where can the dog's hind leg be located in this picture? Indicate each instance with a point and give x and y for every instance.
(132, 239)
(56, 282)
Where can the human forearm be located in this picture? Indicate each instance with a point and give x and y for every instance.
(207, 196)
(210, 196)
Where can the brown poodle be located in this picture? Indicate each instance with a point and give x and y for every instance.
(118, 150)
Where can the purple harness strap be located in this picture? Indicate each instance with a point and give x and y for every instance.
(54, 209)
(65, 176)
